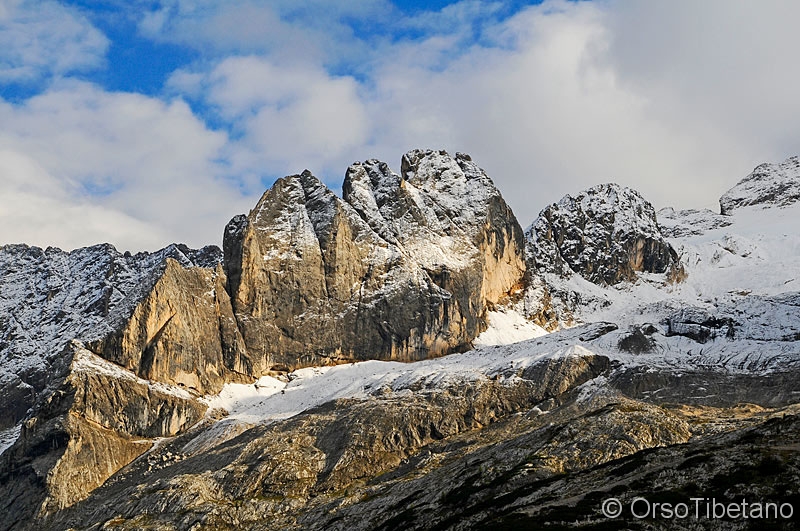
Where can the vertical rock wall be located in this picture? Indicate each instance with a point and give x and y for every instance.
(402, 267)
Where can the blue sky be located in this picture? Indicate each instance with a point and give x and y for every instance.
(143, 122)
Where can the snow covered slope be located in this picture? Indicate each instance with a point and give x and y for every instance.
(736, 312)
(768, 185)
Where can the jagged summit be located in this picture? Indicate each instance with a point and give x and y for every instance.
(398, 268)
(605, 234)
(768, 185)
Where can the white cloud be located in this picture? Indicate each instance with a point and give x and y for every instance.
(148, 167)
(553, 100)
(286, 118)
(679, 102)
(39, 209)
(286, 31)
(574, 95)
(728, 64)
(43, 38)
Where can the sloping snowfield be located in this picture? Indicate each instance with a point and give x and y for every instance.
(739, 268)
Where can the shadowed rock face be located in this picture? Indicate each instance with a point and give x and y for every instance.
(403, 267)
(606, 234)
(160, 317)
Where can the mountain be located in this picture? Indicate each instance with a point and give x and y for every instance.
(401, 267)
(406, 356)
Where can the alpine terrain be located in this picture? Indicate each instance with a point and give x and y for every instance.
(407, 356)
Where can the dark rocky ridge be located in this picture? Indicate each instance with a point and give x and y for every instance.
(97, 420)
(606, 234)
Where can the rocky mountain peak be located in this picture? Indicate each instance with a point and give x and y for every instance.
(768, 184)
(304, 257)
(606, 234)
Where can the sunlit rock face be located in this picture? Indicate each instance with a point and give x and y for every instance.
(129, 399)
(401, 267)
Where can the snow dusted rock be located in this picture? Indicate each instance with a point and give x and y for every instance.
(446, 214)
(401, 268)
(699, 325)
(681, 223)
(163, 316)
(756, 318)
(605, 234)
(49, 297)
(769, 184)
(182, 332)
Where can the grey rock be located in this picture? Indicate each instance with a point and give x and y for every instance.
(606, 234)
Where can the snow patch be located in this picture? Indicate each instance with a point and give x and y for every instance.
(508, 326)
(9, 436)
(88, 362)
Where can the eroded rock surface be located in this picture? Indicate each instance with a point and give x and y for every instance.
(403, 267)
(606, 235)
(98, 420)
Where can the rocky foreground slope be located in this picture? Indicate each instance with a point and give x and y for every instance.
(228, 389)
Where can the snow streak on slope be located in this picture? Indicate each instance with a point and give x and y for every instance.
(270, 399)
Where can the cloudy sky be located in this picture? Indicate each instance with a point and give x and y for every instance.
(143, 122)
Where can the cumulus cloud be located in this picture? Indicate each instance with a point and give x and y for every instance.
(561, 96)
(677, 101)
(41, 209)
(310, 32)
(149, 168)
(285, 118)
(566, 95)
(44, 38)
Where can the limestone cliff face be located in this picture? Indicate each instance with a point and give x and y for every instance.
(399, 268)
(106, 299)
(182, 332)
(161, 331)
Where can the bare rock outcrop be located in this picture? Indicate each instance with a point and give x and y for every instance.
(402, 267)
(116, 303)
(99, 419)
(158, 330)
(182, 332)
(605, 234)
